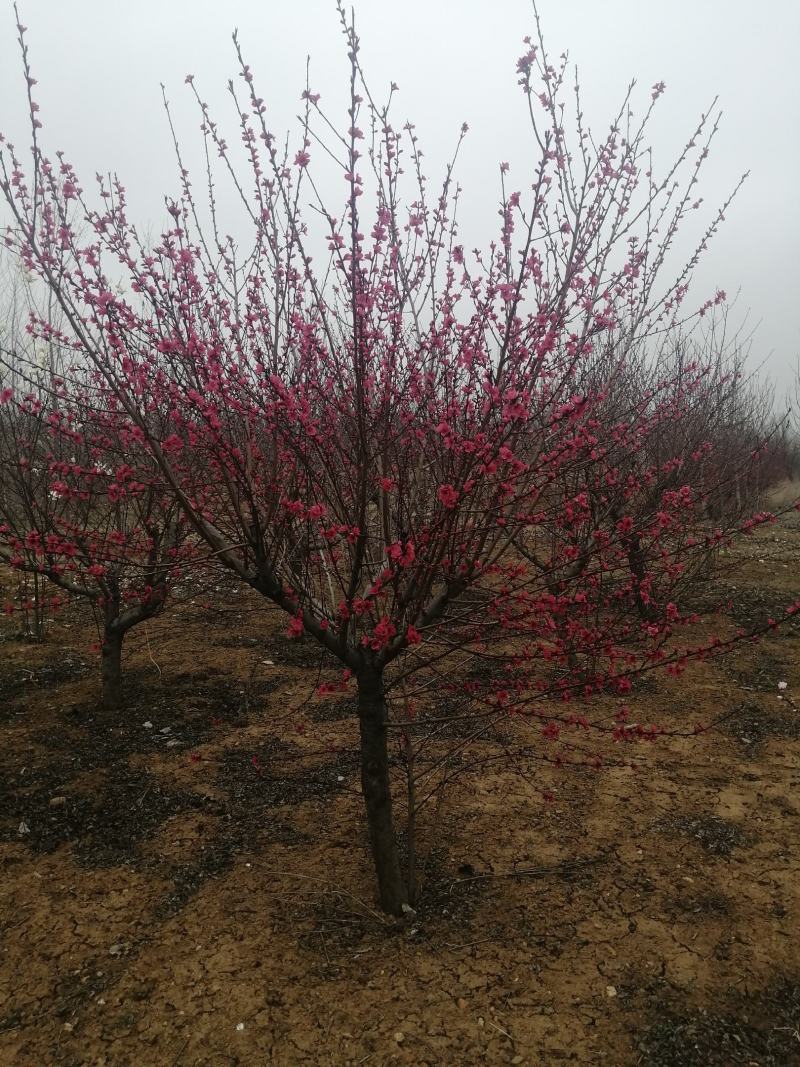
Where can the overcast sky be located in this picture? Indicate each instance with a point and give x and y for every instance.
(100, 65)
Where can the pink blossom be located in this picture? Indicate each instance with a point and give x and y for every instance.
(381, 635)
(404, 557)
(173, 443)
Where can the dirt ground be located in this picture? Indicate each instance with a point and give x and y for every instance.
(186, 883)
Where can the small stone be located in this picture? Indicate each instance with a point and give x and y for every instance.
(57, 802)
(173, 743)
(147, 725)
(240, 1027)
(611, 991)
(69, 1027)
(23, 828)
(517, 1059)
(481, 1021)
(399, 1037)
(461, 1003)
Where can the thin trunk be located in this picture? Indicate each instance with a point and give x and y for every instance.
(38, 607)
(376, 788)
(111, 668)
(411, 825)
(638, 568)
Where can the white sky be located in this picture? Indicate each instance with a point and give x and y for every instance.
(100, 64)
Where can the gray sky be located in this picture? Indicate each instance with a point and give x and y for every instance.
(100, 64)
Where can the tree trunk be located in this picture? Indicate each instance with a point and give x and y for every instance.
(638, 568)
(111, 668)
(375, 786)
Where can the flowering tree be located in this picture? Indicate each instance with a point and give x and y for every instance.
(72, 510)
(682, 433)
(394, 441)
(16, 304)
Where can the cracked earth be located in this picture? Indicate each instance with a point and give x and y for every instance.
(187, 884)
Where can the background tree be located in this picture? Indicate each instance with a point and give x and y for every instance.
(74, 511)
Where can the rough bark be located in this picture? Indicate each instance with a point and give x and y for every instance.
(375, 785)
(111, 668)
